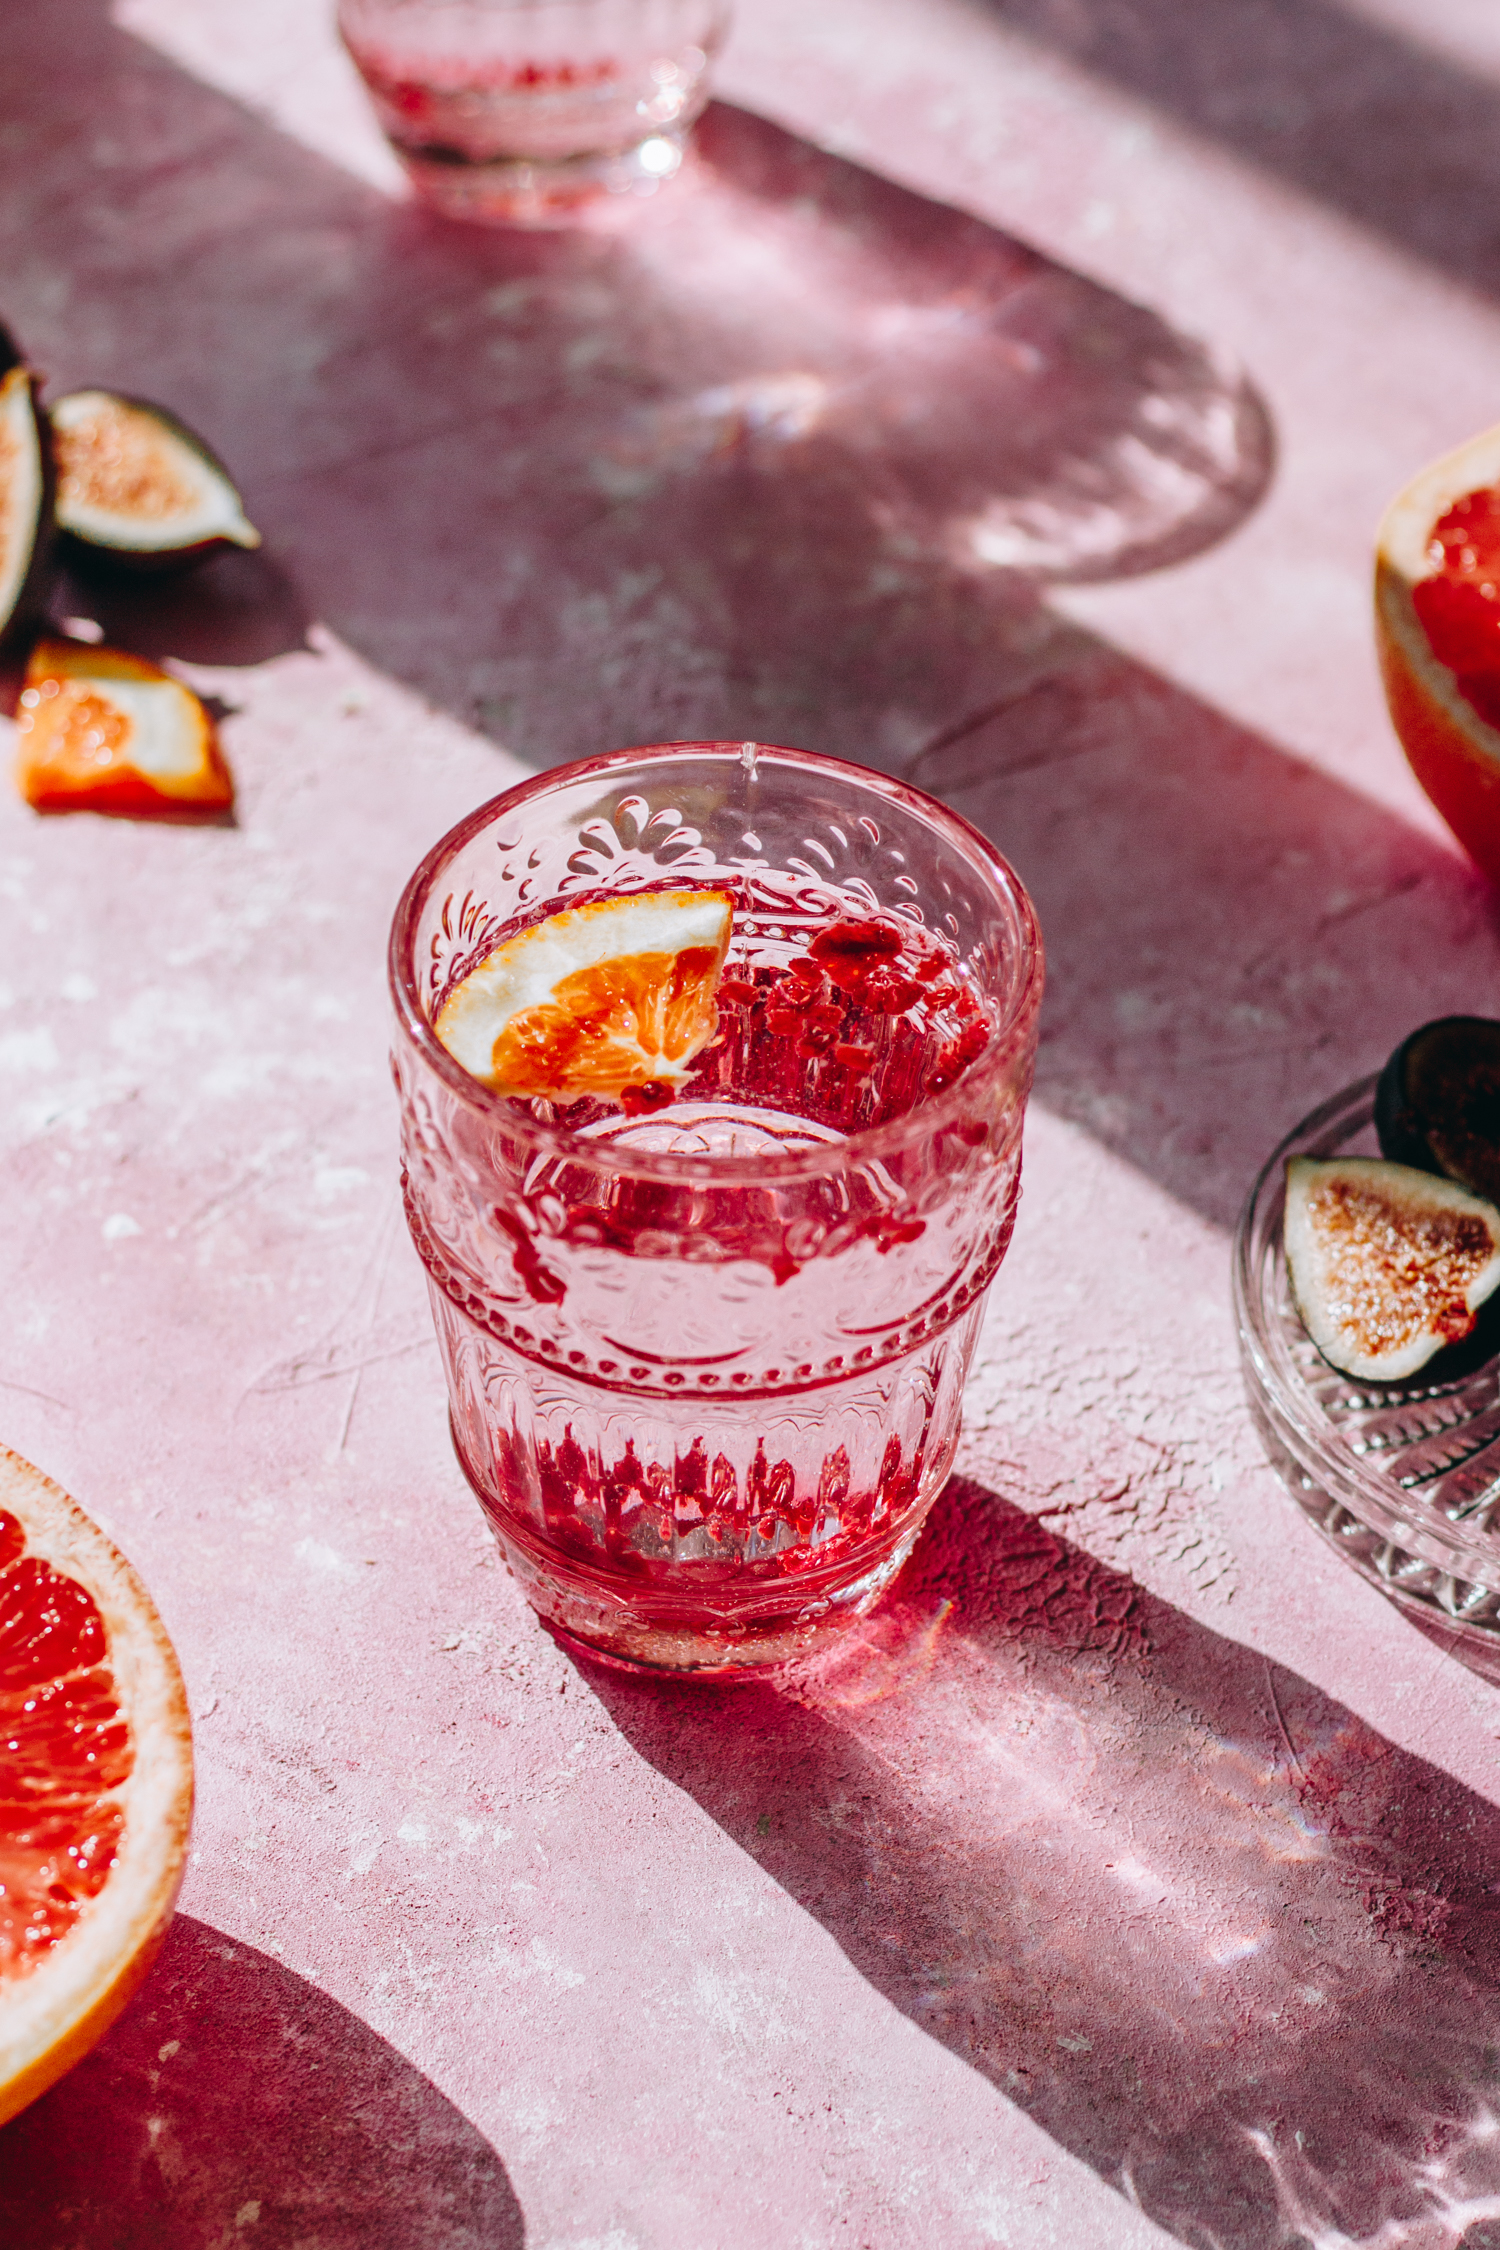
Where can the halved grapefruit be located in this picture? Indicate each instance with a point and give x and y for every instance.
(606, 1001)
(1437, 597)
(102, 731)
(96, 1783)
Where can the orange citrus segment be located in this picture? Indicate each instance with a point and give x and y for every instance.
(596, 1001)
(96, 1783)
(1453, 751)
(109, 732)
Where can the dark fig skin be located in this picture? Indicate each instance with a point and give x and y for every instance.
(1437, 1106)
(30, 605)
(90, 558)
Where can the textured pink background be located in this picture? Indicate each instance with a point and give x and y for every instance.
(1009, 400)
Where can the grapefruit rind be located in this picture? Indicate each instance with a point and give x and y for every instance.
(51, 2017)
(1320, 1287)
(526, 971)
(1453, 752)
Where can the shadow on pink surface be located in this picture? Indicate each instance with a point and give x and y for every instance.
(235, 2101)
(1218, 1937)
(797, 456)
(232, 2102)
(239, 609)
(1232, 936)
(1348, 109)
(788, 456)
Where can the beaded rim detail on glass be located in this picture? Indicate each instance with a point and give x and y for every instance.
(868, 1144)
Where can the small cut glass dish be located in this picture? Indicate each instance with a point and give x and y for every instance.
(1402, 1478)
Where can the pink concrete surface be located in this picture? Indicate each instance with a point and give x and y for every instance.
(1007, 399)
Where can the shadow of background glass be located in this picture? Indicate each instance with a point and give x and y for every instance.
(1218, 1937)
(772, 461)
(235, 2101)
(1377, 126)
(797, 457)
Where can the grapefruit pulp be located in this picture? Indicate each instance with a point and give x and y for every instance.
(1437, 630)
(611, 1001)
(97, 1789)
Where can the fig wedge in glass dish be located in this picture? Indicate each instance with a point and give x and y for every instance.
(1402, 1478)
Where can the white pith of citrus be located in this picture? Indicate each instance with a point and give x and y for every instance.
(525, 972)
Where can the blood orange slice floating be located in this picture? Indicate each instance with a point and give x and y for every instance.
(1437, 629)
(611, 1000)
(96, 1783)
(105, 732)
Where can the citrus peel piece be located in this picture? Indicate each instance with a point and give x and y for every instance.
(106, 732)
(1387, 1264)
(598, 1001)
(1452, 750)
(98, 1783)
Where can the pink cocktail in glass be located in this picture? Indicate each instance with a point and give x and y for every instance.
(706, 1359)
(528, 111)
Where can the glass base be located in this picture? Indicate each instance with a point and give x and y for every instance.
(559, 192)
(633, 1627)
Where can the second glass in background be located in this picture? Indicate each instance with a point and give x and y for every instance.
(527, 112)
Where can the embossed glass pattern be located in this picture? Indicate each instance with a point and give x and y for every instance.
(522, 111)
(706, 1365)
(1402, 1478)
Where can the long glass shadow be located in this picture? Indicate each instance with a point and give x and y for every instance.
(1220, 1938)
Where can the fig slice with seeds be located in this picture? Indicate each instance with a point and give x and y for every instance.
(1438, 1103)
(136, 489)
(25, 494)
(101, 731)
(1387, 1264)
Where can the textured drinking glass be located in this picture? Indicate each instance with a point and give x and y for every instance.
(522, 111)
(706, 1363)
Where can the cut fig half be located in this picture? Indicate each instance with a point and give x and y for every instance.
(137, 490)
(25, 494)
(1387, 1264)
(1438, 1103)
